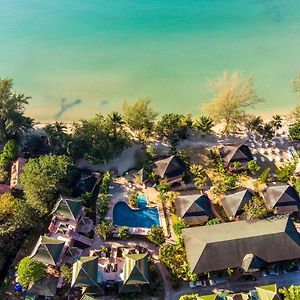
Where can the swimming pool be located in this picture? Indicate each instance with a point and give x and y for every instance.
(144, 217)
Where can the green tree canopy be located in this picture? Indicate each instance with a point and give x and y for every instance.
(173, 127)
(140, 116)
(8, 155)
(290, 293)
(156, 235)
(204, 124)
(104, 229)
(30, 271)
(234, 95)
(294, 131)
(98, 139)
(44, 178)
(256, 208)
(12, 105)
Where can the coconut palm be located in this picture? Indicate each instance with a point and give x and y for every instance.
(204, 124)
(254, 124)
(116, 121)
(276, 122)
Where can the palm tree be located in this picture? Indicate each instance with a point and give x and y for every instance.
(276, 122)
(254, 124)
(267, 131)
(204, 124)
(116, 121)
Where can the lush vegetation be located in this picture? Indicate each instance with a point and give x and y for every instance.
(140, 117)
(103, 196)
(8, 155)
(294, 131)
(104, 229)
(99, 139)
(29, 271)
(133, 199)
(290, 293)
(156, 235)
(66, 273)
(173, 127)
(13, 123)
(234, 95)
(256, 208)
(44, 178)
(123, 232)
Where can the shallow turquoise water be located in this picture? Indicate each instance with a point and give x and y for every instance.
(101, 53)
(145, 217)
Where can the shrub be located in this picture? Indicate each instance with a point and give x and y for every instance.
(178, 226)
(133, 199)
(156, 235)
(30, 271)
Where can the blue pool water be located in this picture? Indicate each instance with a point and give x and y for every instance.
(144, 217)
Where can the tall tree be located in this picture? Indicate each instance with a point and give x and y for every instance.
(294, 131)
(99, 139)
(204, 124)
(140, 116)
(234, 95)
(172, 127)
(57, 138)
(44, 178)
(30, 271)
(12, 106)
(276, 122)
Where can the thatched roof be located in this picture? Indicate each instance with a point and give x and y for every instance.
(283, 197)
(222, 246)
(234, 201)
(194, 208)
(169, 167)
(252, 263)
(231, 153)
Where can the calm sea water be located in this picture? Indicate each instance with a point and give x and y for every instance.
(89, 56)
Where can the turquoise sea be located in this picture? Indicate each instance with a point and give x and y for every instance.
(91, 55)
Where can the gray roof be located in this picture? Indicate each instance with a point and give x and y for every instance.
(236, 152)
(193, 207)
(44, 287)
(222, 246)
(169, 167)
(48, 250)
(282, 196)
(252, 263)
(234, 201)
(68, 207)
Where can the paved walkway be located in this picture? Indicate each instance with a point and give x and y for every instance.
(281, 280)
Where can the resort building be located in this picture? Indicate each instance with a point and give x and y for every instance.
(282, 198)
(227, 245)
(16, 172)
(235, 153)
(234, 201)
(45, 287)
(135, 272)
(129, 272)
(194, 208)
(49, 251)
(171, 168)
(267, 292)
(69, 220)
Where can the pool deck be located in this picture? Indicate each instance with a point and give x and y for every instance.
(120, 190)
